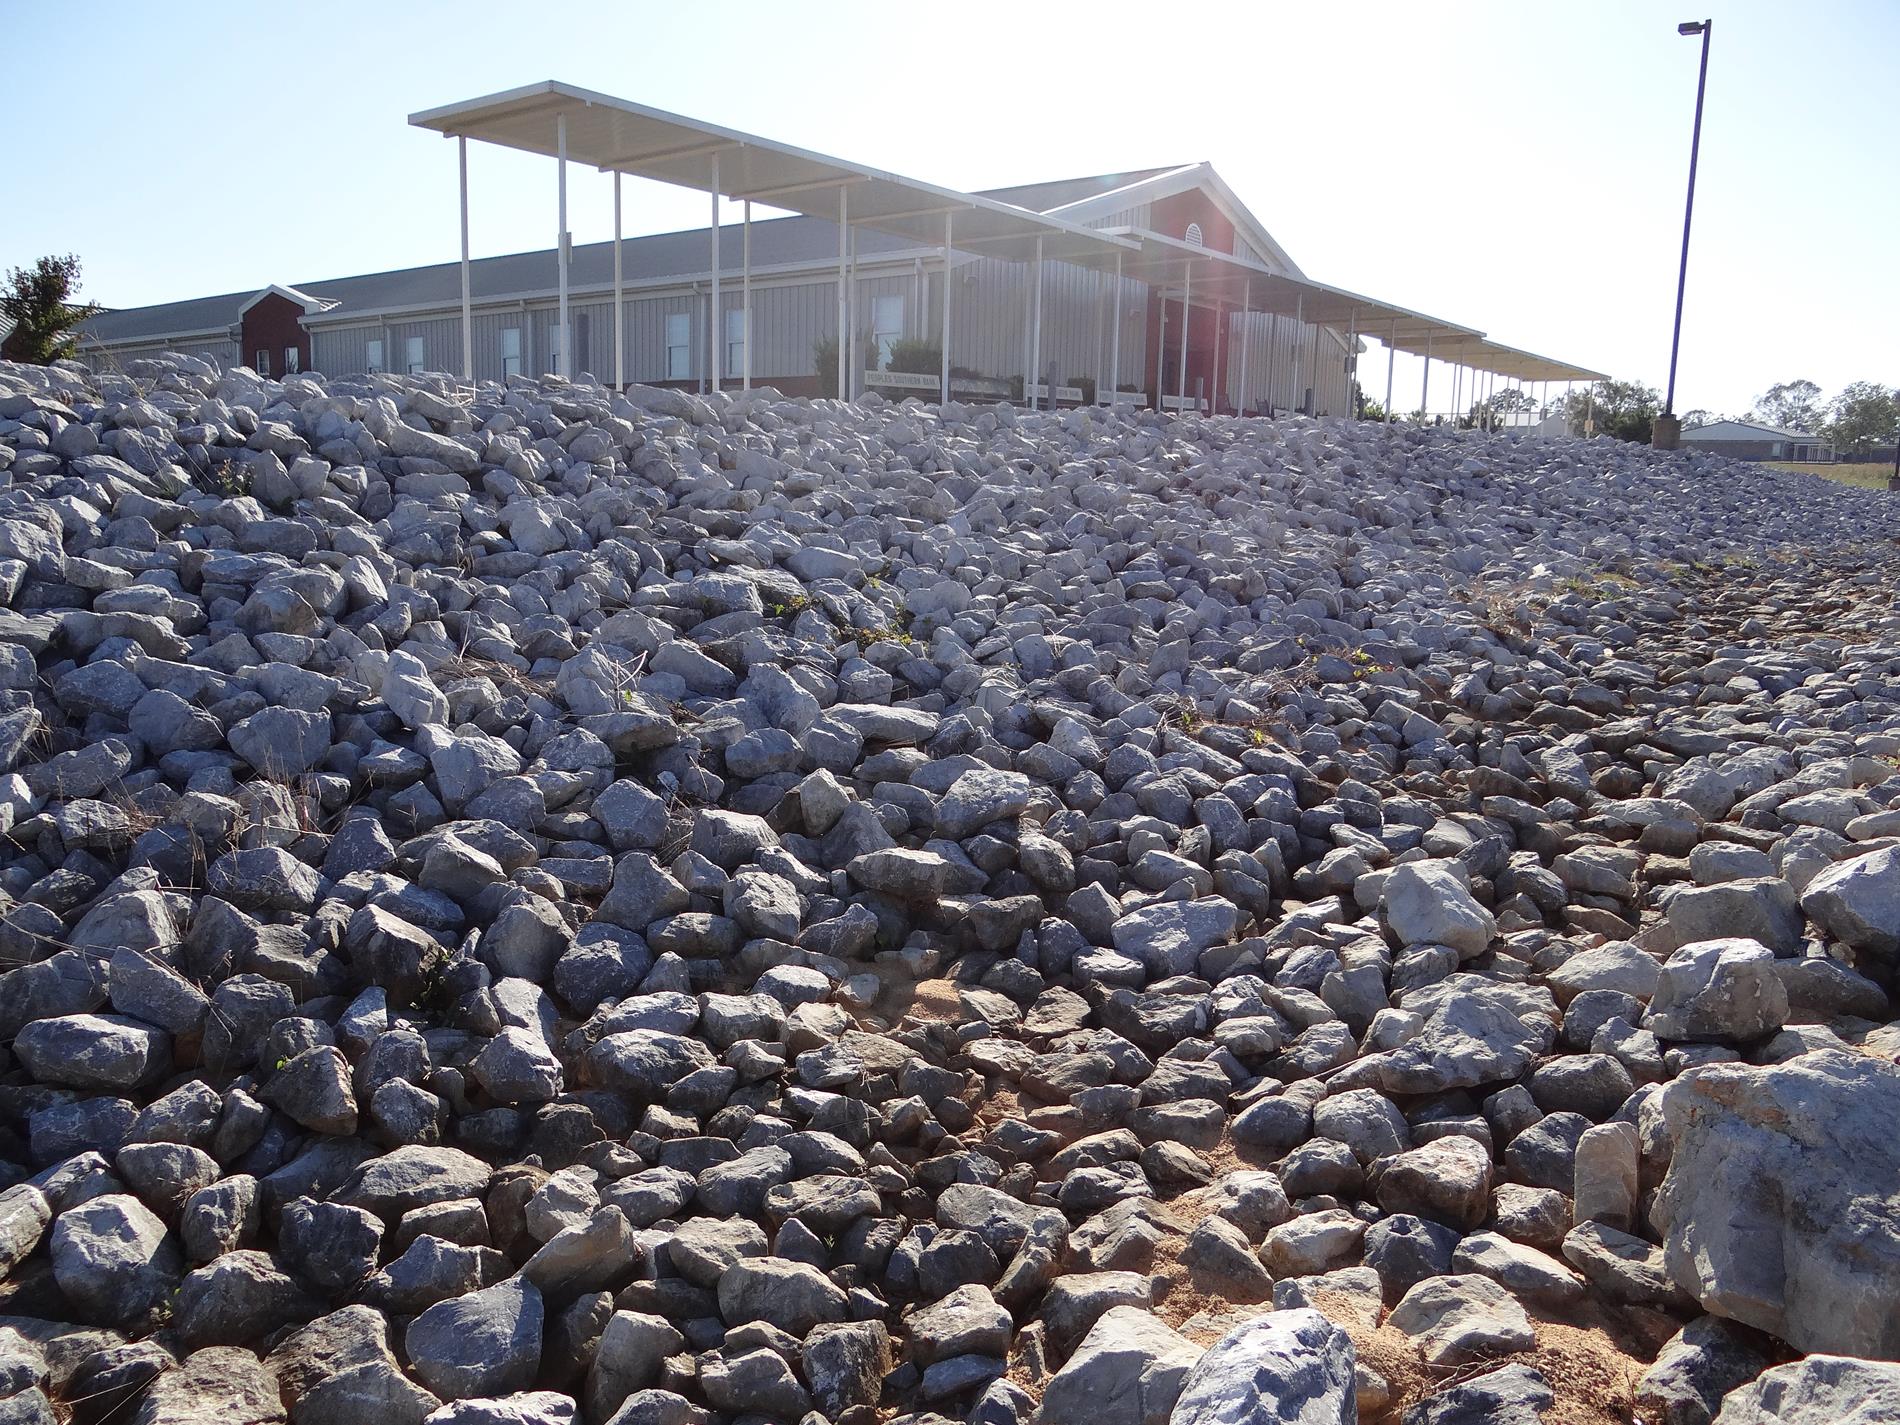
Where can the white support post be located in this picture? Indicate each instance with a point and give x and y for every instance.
(1035, 338)
(1187, 292)
(844, 339)
(854, 373)
(1115, 338)
(1315, 401)
(717, 324)
(1028, 335)
(1425, 386)
(745, 298)
(620, 299)
(1161, 345)
(1246, 344)
(1216, 395)
(1350, 368)
(561, 343)
(468, 320)
(944, 339)
(1391, 348)
(1299, 325)
(1101, 342)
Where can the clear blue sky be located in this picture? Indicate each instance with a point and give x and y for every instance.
(1518, 167)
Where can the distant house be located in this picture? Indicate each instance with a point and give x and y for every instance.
(1745, 440)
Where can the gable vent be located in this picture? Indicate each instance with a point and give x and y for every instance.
(1194, 235)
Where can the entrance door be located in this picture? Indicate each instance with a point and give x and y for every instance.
(1200, 356)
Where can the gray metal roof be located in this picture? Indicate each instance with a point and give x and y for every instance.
(1746, 430)
(776, 242)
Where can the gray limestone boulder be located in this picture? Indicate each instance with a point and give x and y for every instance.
(114, 1260)
(1857, 901)
(1778, 1209)
(1819, 1390)
(1713, 990)
(485, 1343)
(1291, 1367)
(1129, 1370)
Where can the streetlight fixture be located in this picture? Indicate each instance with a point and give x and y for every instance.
(1667, 432)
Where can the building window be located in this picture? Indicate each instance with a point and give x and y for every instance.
(293, 361)
(679, 346)
(1775, 454)
(1194, 235)
(263, 362)
(412, 354)
(887, 326)
(511, 351)
(735, 341)
(373, 353)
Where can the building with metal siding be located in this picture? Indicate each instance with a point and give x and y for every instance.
(393, 320)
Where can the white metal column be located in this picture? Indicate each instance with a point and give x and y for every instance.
(1161, 345)
(717, 324)
(1391, 348)
(745, 298)
(1029, 322)
(468, 321)
(620, 300)
(1425, 386)
(1035, 338)
(1314, 403)
(844, 219)
(854, 371)
(1215, 394)
(1349, 370)
(944, 339)
(1299, 376)
(1246, 343)
(560, 163)
(1115, 337)
(1101, 344)
(1187, 291)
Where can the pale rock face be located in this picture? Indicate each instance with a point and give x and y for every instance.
(1293, 1366)
(1713, 990)
(1777, 1210)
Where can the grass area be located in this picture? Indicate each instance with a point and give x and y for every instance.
(1869, 476)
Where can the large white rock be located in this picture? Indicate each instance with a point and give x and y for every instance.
(1129, 1370)
(1718, 989)
(1858, 901)
(1821, 1390)
(1288, 1367)
(1779, 1209)
(1429, 903)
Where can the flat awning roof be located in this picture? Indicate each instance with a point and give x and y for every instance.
(620, 136)
(1228, 279)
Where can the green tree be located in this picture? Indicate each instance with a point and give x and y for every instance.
(1691, 420)
(1864, 417)
(38, 300)
(1792, 405)
(1623, 409)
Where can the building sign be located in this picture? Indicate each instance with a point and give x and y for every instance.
(1063, 393)
(918, 381)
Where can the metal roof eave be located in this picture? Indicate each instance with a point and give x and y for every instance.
(618, 135)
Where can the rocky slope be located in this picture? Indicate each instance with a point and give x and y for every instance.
(535, 905)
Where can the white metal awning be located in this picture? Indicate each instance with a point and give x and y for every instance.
(620, 136)
(1224, 279)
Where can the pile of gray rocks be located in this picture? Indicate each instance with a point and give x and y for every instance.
(533, 905)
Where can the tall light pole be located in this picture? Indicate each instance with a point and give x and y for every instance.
(1667, 432)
